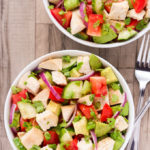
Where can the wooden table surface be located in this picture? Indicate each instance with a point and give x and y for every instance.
(26, 33)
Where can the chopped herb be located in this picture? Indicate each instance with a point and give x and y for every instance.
(127, 21)
(15, 90)
(130, 28)
(77, 118)
(96, 24)
(63, 124)
(47, 136)
(18, 144)
(86, 18)
(64, 21)
(69, 29)
(141, 25)
(84, 103)
(25, 100)
(38, 106)
(33, 74)
(62, 146)
(92, 113)
(92, 96)
(111, 122)
(48, 122)
(115, 86)
(51, 7)
(35, 147)
(114, 98)
(103, 96)
(15, 123)
(91, 125)
(25, 83)
(87, 138)
(66, 59)
(97, 105)
(53, 146)
(27, 125)
(62, 12)
(79, 65)
(118, 26)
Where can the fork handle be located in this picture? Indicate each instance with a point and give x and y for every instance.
(134, 142)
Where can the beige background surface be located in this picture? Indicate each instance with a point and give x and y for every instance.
(26, 33)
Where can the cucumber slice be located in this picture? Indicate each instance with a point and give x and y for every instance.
(72, 62)
(97, 6)
(73, 90)
(27, 110)
(126, 34)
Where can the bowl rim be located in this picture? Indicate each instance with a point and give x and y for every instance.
(92, 44)
(60, 53)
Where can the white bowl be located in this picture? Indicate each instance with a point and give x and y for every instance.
(35, 63)
(92, 44)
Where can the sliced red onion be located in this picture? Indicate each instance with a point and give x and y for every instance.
(82, 12)
(124, 100)
(122, 105)
(72, 118)
(12, 111)
(94, 139)
(60, 3)
(42, 75)
(114, 29)
(85, 77)
(116, 114)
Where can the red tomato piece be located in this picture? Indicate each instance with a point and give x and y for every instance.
(99, 86)
(72, 145)
(106, 113)
(86, 110)
(139, 5)
(54, 138)
(132, 24)
(59, 91)
(33, 121)
(94, 24)
(17, 97)
(89, 10)
(65, 19)
(21, 123)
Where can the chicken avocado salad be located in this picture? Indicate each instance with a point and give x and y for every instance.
(69, 103)
(102, 21)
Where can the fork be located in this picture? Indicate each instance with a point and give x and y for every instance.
(142, 73)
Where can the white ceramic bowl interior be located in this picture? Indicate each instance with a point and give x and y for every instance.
(35, 63)
(92, 44)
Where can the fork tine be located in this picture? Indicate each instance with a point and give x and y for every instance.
(148, 58)
(141, 50)
(145, 51)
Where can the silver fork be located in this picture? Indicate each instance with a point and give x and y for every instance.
(142, 73)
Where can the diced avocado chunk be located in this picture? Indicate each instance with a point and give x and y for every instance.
(109, 75)
(49, 77)
(107, 35)
(54, 107)
(65, 136)
(67, 65)
(27, 110)
(86, 89)
(80, 126)
(82, 35)
(73, 90)
(126, 34)
(75, 73)
(95, 63)
(102, 129)
(125, 110)
(97, 6)
(71, 4)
